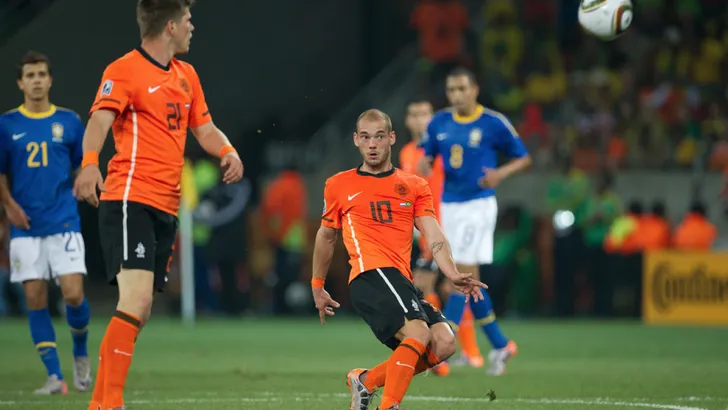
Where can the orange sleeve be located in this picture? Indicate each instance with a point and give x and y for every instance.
(423, 203)
(115, 90)
(332, 208)
(199, 113)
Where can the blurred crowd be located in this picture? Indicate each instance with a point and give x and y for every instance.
(654, 98)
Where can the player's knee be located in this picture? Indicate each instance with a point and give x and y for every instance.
(444, 342)
(36, 294)
(415, 329)
(72, 289)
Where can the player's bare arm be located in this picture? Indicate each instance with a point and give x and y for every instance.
(424, 167)
(16, 214)
(89, 177)
(323, 253)
(493, 177)
(440, 248)
(216, 143)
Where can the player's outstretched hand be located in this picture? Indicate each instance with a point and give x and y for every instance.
(491, 179)
(88, 179)
(324, 303)
(233, 167)
(16, 215)
(465, 283)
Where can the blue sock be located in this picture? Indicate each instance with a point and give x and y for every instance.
(484, 316)
(454, 309)
(77, 318)
(44, 338)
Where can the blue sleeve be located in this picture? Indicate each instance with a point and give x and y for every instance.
(509, 142)
(429, 140)
(4, 157)
(77, 144)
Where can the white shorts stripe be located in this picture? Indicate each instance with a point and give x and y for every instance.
(125, 218)
(389, 285)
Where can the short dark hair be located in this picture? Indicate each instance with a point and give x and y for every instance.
(153, 15)
(33, 57)
(375, 114)
(464, 72)
(418, 100)
(698, 207)
(658, 209)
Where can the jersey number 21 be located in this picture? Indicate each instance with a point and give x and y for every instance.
(32, 149)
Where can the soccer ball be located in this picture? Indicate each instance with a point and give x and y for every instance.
(606, 19)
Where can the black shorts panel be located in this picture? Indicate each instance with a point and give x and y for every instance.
(137, 236)
(384, 298)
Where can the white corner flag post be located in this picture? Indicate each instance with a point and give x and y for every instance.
(187, 265)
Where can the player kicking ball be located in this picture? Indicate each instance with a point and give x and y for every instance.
(40, 146)
(376, 207)
(469, 138)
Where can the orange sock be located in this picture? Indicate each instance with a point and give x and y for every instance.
(427, 360)
(97, 397)
(434, 300)
(400, 371)
(466, 334)
(377, 375)
(120, 337)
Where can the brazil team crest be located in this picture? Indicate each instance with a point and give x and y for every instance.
(474, 138)
(57, 131)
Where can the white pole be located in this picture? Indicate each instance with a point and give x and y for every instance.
(187, 266)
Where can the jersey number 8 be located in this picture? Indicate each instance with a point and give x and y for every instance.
(456, 156)
(32, 148)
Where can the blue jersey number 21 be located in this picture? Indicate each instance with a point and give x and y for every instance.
(33, 161)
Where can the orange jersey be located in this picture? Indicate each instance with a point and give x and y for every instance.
(409, 158)
(154, 105)
(376, 214)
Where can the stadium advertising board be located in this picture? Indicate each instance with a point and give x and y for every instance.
(685, 288)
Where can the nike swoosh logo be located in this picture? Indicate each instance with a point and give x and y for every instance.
(405, 365)
(117, 351)
(18, 136)
(354, 196)
(153, 89)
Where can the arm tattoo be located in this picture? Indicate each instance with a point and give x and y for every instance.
(436, 247)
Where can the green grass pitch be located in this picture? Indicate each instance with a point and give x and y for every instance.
(283, 364)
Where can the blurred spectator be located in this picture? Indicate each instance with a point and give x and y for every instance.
(283, 213)
(625, 234)
(567, 201)
(602, 210)
(695, 232)
(441, 26)
(222, 209)
(656, 228)
(205, 176)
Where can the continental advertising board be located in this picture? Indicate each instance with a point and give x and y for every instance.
(685, 288)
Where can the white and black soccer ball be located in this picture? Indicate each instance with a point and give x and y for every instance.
(605, 19)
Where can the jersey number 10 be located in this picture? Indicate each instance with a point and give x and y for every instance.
(32, 148)
(381, 211)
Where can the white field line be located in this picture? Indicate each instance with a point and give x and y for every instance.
(272, 398)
